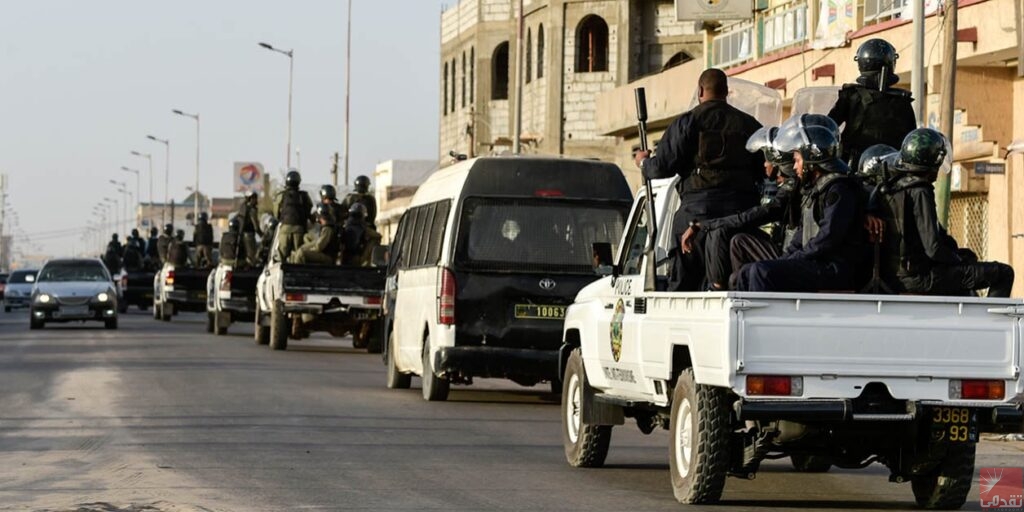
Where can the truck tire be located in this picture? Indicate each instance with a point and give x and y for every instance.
(278, 327)
(122, 307)
(156, 311)
(396, 379)
(220, 328)
(262, 332)
(34, 324)
(374, 344)
(110, 324)
(810, 463)
(435, 389)
(946, 487)
(586, 446)
(209, 321)
(164, 314)
(143, 306)
(699, 451)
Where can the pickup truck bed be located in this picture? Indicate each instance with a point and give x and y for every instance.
(332, 280)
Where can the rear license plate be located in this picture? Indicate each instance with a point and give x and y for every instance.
(954, 425)
(199, 295)
(73, 311)
(541, 312)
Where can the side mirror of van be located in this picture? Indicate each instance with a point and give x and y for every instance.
(602, 260)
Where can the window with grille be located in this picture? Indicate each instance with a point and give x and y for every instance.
(968, 222)
(592, 45)
(880, 10)
(785, 28)
(732, 46)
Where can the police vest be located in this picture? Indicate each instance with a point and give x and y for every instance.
(813, 209)
(177, 253)
(904, 254)
(875, 117)
(354, 240)
(229, 246)
(295, 207)
(204, 234)
(722, 160)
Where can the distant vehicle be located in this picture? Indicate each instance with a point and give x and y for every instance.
(230, 297)
(3, 284)
(70, 290)
(179, 289)
(135, 287)
(19, 289)
(485, 262)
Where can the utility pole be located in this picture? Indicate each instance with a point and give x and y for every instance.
(348, 90)
(917, 70)
(334, 171)
(942, 192)
(517, 147)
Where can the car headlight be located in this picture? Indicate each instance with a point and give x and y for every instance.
(103, 297)
(43, 298)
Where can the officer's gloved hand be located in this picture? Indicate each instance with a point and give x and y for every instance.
(966, 255)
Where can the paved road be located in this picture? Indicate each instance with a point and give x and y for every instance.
(159, 416)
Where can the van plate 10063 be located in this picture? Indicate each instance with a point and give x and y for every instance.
(539, 311)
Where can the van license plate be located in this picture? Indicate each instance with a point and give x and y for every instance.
(534, 311)
(954, 425)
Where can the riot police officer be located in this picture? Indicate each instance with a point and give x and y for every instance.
(229, 244)
(827, 248)
(358, 238)
(362, 195)
(920, 256)
(112, 256)
(203, 240)
(137, 241)
(873, 110)
(706, 148)
(248, 217)
(329, 196)
(152, 254)
(266, 240)
(322, 249)
(292, 209)
(163, 244)
(177, 251)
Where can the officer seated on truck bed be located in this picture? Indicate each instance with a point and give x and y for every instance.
(323, 248)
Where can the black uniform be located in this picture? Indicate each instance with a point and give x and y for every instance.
(231, 252)
(177, 253)
(921, 257)
(872, 117)
(132, 257)
(358, 240)
(827, 247)
(248, 215)
(112, 256)
(707, 148)
(152, 253)
(203, 240)
(366, 200)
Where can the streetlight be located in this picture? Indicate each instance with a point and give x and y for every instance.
(117, 218)
(122, 187)
(195, 202)
(291, 73)
(167, 174)
(148, 156)
(138, 195)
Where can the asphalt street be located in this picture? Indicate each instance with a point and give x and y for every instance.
(164, 417)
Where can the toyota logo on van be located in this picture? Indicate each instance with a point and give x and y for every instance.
(547, 284)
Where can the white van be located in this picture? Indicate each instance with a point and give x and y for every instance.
(486, 260)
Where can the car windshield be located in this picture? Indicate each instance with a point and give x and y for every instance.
(66, 272)
(22, 278)
(547, 235)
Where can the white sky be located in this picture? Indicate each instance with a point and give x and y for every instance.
(83, 82)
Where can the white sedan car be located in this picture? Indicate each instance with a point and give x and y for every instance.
(73, 290)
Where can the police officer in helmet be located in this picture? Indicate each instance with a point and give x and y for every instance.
(873, 110)
(112, 256)
(248, 218)
(362, 195)
(230, 249)
(329, 197)
(922, 257)
(706, 148)
(828, 246)
(163, 244)
(324, 248)
(203, 240)
(177, 252)
(358, 237)
(151, 252)
(292, 209)
(266, 239)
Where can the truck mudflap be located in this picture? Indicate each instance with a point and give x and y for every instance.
(517, 364)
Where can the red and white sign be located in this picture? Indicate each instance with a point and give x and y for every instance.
(1001, 489)
(248, 177)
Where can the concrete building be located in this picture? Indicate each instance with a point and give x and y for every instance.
(791, 45)
(573, 51)
(394, 183)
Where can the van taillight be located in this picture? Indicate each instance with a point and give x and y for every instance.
(225, 282)
(446, 304)
(169, 280)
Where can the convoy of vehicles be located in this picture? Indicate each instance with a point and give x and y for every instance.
(135, 287)
(737, 378)
(73, 290)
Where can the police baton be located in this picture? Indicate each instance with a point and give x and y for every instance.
(641, 120)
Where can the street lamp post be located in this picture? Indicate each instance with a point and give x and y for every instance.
(122, 188)
(195, 202)
(138, 195)
(148, 156)
(167, 182)
(291, 73)
(116, 214)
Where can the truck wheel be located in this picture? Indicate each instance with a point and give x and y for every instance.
(435, 389)
(209, 321)
(946, 487)
(110, 323)
(374, 343)
(143, 306)
(262, 332)
(34, 324)
(220, 328)
(156, 311)
(586, 446)
(164, 314)
(810, 463)
(396, 379)
(278, 327)
(122, 307)
(699, 451)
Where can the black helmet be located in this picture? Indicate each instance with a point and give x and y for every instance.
(153, 231)
(203, 217)
(180, 234)
(234, 224)
(292, 179)
(252, 194)
(873, 162)
(135, 233)
(168, 229)
(924, 150)
(323, 211)
(789, 135)
(817, 146)
(874, 55)
(362, 184)
(357, 211)
(114, 237)
(328, 192)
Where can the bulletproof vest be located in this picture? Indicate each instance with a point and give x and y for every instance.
(813, 209)
(294, 207)
(112, 259)
(334, 243)
(204, 234)
(354, 240)
(722, 160)
(132, 258)
(177, 253)
(162, 245)
(339, 213)
(229, 246)
(875, 117)
(904, 253)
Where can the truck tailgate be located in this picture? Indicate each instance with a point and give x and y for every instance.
(243, 282)
(333, 280)
(879, 336)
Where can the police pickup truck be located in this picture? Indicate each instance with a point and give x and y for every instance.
(830, 379)
(230, 297)
(293, 301)
(177, 288)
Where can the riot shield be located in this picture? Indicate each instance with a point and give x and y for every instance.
(764, 103)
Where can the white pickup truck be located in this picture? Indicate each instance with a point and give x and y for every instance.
(841, 380)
